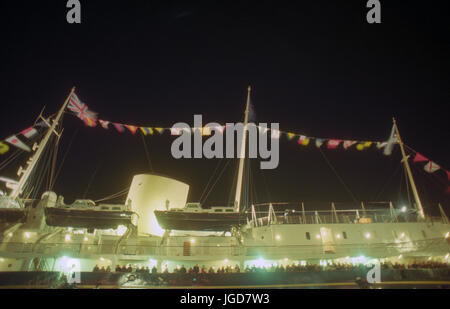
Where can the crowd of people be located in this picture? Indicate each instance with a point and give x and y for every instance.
(273, 268)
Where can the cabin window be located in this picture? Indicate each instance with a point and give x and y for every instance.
(308, 236)
(344, 234)
(104, 207)
(217, 210)
(229, 210)
(116, 208)
(424, 234)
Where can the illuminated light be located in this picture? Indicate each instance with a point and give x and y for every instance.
(277, 237)
(218, 245)
(67, 238)
(447, 235)
(338, 236)
(2, 260)
(303, 263)
(192, 240)
(10, 234)
(402, 235)
(27, 234)
(446, 257)
(324, 233)
(85, 239)
(152, 263)
(368, 235)
(121, 229)
(318, 236)
(102, 259)
(404, 208)
(286, 259)
(429, 258)
(347, 257)
(225, 261)
(178, 266)
(400, 256)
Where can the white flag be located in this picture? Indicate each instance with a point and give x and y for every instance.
(13, 140)
(390, 143)
(431, 167)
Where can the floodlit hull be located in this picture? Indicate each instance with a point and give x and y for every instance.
(199, 221)
(86, 218)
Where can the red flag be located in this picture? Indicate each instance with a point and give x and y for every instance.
(448, 190)
(30, 132)
(419, 158)
(448, 175)
(333, 143)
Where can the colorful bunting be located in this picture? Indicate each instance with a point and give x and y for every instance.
(381, 144)
(132, 129)
(160, 130)
(29, 133)
(119, 127)
(419, 158)
(319, 142)
(3, 148)
(348, 144)
(290, 135)
(146, 131)
(81, 111)
(13, 140)
(104, 123)
(431, 167)
(333, 143)
(303, 140)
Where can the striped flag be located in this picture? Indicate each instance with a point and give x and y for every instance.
(13, 140)
(431, 167)
(160, 130)
(146, 131)
(119, 127)
(29, 133)
(81, 110)
(132, 129)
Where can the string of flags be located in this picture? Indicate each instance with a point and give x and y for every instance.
(17, 139)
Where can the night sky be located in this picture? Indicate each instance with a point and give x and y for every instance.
(316, 67)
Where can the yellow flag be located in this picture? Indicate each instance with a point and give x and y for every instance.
(360, 146)
(290, 135)
(367, 144)
(160, 130)
(3, 148)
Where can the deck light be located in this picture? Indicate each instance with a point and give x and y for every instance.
(102, 259)
(192, 240)
(225, 261)
(446, 257)
(338, 236)
(368, 235)
(318, 236)
(85, 238)
(27, 234)
(404, 208)
(67, 238)
(447, 235)
(400, 256)
(277, 237)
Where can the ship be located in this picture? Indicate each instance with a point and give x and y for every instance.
(46, 238)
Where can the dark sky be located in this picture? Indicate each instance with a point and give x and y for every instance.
(316, 67)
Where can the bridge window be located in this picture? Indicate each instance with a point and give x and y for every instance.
(344, 234)
(308, 236)
(424, 234)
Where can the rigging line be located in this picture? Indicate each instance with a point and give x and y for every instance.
(11, 158)
(64, 157)
(210, 178)
(114, 195)
(411, 149)
(147, 154)
(92, 179)
(408, 193)
(55, 155)
(387, 182)
(224, 168)
(337, 175)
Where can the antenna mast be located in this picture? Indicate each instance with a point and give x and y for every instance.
(237, 199)
(35, 158)
(408, 171)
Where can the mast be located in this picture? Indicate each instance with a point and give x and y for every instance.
(408, 171)
(237, 199)
(35, 158)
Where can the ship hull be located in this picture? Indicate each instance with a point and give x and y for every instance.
(88, 218)
(199, 221)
